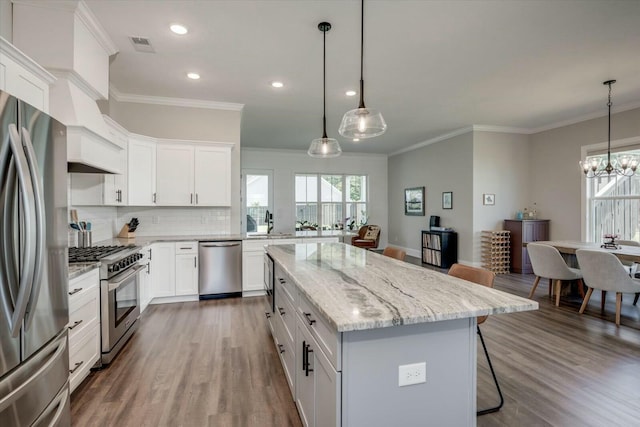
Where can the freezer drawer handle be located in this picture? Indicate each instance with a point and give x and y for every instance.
(22, 388)
(78, 364)
(58, 404)
(76, 323)
(75, 291)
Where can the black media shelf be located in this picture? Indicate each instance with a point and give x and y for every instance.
(439, 248)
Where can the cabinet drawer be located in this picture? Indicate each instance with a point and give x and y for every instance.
(82, 356)
(83, 283)
(183, 248)
(286, 288)
(254, 245)
(327, 337)
(84, 312)
(286, 312)
(286, 351)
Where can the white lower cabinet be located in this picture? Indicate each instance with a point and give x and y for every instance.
(145, 279)
(186, 268)
(174, 272)
(84, 326)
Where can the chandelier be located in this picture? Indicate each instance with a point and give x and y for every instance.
(624, 166)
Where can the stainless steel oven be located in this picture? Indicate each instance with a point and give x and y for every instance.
(120, 308)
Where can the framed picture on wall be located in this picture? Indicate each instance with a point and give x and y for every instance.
(414, 201)
(488, 199)
(447, 200)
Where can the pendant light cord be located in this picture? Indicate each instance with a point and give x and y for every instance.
(324, 84)
(361, 54)
(609, 133)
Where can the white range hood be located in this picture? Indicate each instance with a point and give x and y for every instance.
(76, 49)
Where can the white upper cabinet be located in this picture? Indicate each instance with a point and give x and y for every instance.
(115, 185)
(213, 176)
(174, 175)
(141, 171)
(23, 78)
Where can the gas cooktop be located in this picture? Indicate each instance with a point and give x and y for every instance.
(93, 253)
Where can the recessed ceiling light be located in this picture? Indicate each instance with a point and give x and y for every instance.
(193, 76)
(277, 84)
(350, 92)
(179, 29)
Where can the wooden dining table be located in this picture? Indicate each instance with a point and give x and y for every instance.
(624, 253)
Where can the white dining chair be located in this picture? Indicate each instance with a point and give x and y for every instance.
(632, 266)
(603, 270)
(548, 263)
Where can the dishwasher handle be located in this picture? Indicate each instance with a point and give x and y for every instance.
(219, 245)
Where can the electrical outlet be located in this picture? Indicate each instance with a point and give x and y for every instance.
(416, 373)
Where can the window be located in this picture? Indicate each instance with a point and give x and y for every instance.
(613, 204)
(258, 196)
(342, 201)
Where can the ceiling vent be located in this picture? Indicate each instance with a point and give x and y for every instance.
(142, 44)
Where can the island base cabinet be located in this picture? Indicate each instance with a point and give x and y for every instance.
(318, 385)
(371, 395)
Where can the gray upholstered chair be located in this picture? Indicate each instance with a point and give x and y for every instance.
(548, 263)
(630, 265)
(603, 270)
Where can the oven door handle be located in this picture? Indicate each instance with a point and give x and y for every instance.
(116, 285)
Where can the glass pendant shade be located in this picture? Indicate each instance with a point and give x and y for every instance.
(324, 148)
(362, 123)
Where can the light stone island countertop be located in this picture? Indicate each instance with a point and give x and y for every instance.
(147, 240)
(356, 289)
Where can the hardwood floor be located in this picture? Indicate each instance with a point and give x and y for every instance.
(213, 363)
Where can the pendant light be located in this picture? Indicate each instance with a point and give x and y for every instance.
(324, 147)
(362, 122)
(624, 166)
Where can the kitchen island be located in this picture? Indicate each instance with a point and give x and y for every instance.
(351, 325)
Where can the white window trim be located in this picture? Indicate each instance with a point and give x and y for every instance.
(584, 152)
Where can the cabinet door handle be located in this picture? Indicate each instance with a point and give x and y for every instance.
(308, 366)
(196, 198)
(309, 319)
(268, 315)
(75, 291)
(76, 323)
(195, 262)
(149, 254)
(154, 197)
(281, 348)
(191, 202)
(304, 355)
(281, 310)
(78, 364)
(149, 267)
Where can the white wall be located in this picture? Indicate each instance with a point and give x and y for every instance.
(440, 167)
(501, 166)
(286, 163)
(555, 178)
(6, 20)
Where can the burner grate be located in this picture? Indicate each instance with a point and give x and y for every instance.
(93, 253)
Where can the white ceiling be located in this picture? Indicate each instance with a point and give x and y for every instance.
(431, 67)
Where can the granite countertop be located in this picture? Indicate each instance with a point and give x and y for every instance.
(78, 269)
(356, 289)
(147, 240)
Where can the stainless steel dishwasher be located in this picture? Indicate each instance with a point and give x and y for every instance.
(220, 269)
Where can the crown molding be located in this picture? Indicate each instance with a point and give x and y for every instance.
(501, 129)
(584, 118)
(79, 81)
(97, 30)
(448, 135)
(174, 102)
(22, 59)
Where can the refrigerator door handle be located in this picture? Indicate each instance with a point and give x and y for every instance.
(8, 273)
(10, 398)
(28, 261)
(40, 226)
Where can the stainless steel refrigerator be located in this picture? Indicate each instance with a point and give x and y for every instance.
(34, 356)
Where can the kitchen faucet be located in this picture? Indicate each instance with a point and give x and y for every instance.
(268, 218)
